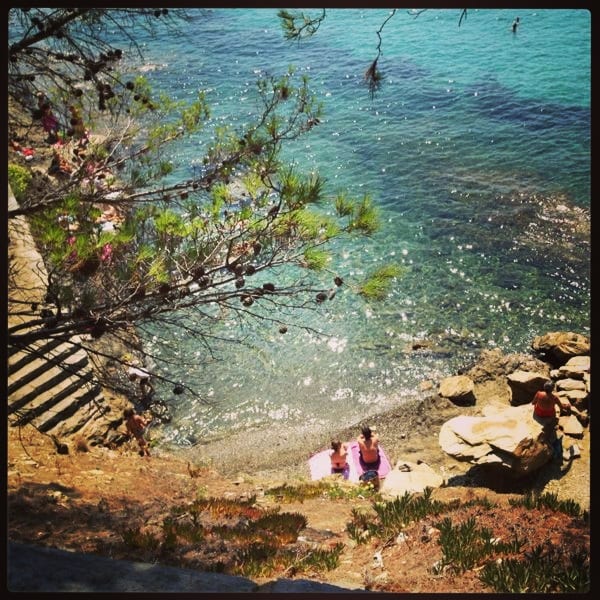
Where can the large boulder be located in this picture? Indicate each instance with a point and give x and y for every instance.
(576, 368)
(523, 386)
(576, 398)
(410, 477)
(458, 389)
(493, 364)
(559, 346)
(507, 436)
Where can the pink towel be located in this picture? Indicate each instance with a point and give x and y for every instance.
(384, 464)
(320, 464)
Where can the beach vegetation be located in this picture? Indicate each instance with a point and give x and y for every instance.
(325, 488)
(259, 542)
(535, 501)
(543, 571)
(503, 565)
(19, 179)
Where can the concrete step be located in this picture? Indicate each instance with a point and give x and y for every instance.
(70, 415)
(20, 357)
(40, 365)
(70, 391)
(51, 382)
(57, 381)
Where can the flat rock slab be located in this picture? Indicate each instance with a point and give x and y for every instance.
(42, 569)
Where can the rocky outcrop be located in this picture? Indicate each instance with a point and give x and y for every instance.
(559, 346)
(411, 477)
(523, 386)
(458, 389)
(510, 437)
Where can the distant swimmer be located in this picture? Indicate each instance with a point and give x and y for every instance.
(515, 25)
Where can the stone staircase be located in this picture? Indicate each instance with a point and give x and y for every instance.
(52, 386)
(51, 383)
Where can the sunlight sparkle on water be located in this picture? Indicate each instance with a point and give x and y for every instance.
(342, 394)
(337, 345)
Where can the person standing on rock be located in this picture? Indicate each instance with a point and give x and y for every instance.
(545, 403)
(136, 424)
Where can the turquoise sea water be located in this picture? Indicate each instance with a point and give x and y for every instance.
(477, 152)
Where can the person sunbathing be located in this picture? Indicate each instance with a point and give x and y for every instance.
(339, 453)
(368, 449)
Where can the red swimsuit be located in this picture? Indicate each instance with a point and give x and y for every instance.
(543, 412)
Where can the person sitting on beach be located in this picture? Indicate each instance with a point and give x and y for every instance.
(135, 427)
(368, 449)
(339, 453)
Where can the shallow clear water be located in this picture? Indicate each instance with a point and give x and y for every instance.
(474, 140)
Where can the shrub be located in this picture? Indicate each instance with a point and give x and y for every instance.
(540, 573)
(19, 179)
(465, 546)
(551, 501)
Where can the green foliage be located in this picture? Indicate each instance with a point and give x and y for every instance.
(315, 259)
(365, 217)
(259, 559)
(549, 500)
(319, 559)
(297, 25)
(393, 516)
(378, 284)
(298, 493)
(284, 527)
(253, 184)
(335, 491)
(176, 532)
(169, 223)
(297, 192)
(19, 179)
(390, 517)
(362, 526)
(178, 244)
(465, 546)
(158, 270)
(136, 539)
(544, 571)
(343, 206)
(322, 488)
(264, 560)
(259, 541)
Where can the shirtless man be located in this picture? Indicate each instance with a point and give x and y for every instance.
(368, 444)
(135, 426)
